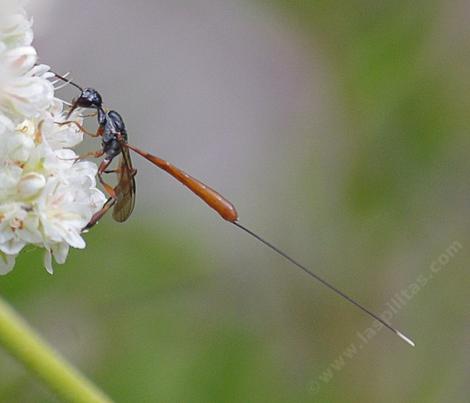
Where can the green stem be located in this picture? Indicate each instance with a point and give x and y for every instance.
(22, 342)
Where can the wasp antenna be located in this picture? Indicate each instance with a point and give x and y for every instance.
(58, 80)
(324, 282)
(66, 80)
(60, 86)
(63, 75)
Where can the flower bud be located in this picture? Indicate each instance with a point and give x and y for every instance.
(30, 185)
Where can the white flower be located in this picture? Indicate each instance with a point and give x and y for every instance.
(22, 92)
(46, 196)
(15, 28)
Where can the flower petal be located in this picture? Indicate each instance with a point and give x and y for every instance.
(7, 262)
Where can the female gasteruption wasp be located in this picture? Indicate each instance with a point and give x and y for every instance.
(114, 142)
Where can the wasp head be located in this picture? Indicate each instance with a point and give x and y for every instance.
(89, 98)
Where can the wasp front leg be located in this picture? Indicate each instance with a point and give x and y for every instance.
(98, 133)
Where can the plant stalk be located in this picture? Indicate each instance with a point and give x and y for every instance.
(22, 342)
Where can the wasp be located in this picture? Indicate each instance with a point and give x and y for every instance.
(113, 133)
(114, 142)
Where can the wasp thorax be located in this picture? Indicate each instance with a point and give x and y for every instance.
(117, 121)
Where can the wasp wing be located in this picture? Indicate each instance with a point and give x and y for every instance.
(125, 188)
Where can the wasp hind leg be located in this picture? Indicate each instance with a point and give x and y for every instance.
(99, 214)
(109, 190)
(107, 187)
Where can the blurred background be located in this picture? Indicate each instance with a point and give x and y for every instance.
(340, 130)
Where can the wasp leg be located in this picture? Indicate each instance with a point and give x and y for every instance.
(107, 188)
(117, 171)
(73, 122)
(89, 115)
(94, 154)
(99, 214)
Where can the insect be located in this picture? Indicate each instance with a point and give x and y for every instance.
(113, 133)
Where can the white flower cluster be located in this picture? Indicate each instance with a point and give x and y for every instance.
(46, 196)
